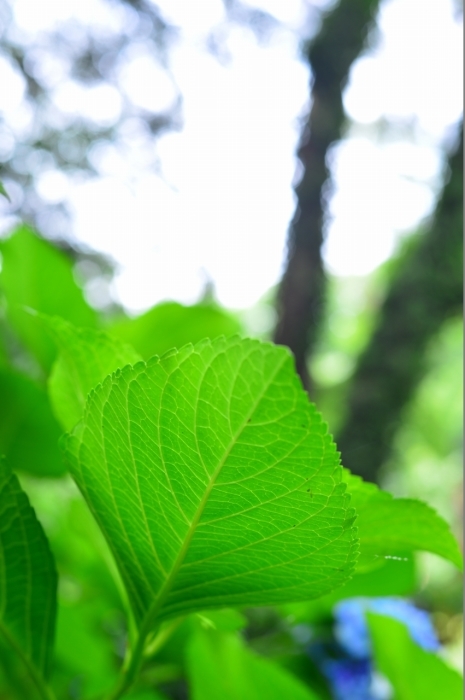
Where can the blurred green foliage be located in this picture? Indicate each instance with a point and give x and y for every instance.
(413, 672)
(36, 275)
(25, 411)
(172, 325)
(217, 654)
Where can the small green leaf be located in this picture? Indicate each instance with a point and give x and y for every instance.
(414, 673)
(220, 667)
(86, 358)
(390, 526)
(36, 275)
(214, 481)
(172, 325)
(4, 192)
(27, 584)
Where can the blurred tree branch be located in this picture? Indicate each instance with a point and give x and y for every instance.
(330, 55)
(41, 136)
(425, 290)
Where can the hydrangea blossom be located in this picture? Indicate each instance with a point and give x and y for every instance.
(351, 630)
(346, 662)
(354, 679)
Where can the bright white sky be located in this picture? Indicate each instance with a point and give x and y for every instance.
(222, 208)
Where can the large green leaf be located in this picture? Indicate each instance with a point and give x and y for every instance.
(222, 668)
(172, 325)
(29, 432)
(86, 358)
(214, 481)
(36, 274)
(390, 526)
(27, 586)
(415, 674)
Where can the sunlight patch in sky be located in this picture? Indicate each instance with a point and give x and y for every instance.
(221, 209)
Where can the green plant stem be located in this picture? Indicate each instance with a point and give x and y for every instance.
(134, 660)
(162, 637)
(131, 667)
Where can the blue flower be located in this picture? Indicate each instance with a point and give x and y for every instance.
(351, 630)
(346, 658)
(349, 678)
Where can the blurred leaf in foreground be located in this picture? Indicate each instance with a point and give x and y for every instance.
(390, 526)
(414, 673)
(27, 592)
(36, 275)
(221, 667)
(29, 432)
(172, 325)
(86, 357)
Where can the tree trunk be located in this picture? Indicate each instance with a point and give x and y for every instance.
(301, 295)
(425, 291)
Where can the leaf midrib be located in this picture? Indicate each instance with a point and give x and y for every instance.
(168, 584)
